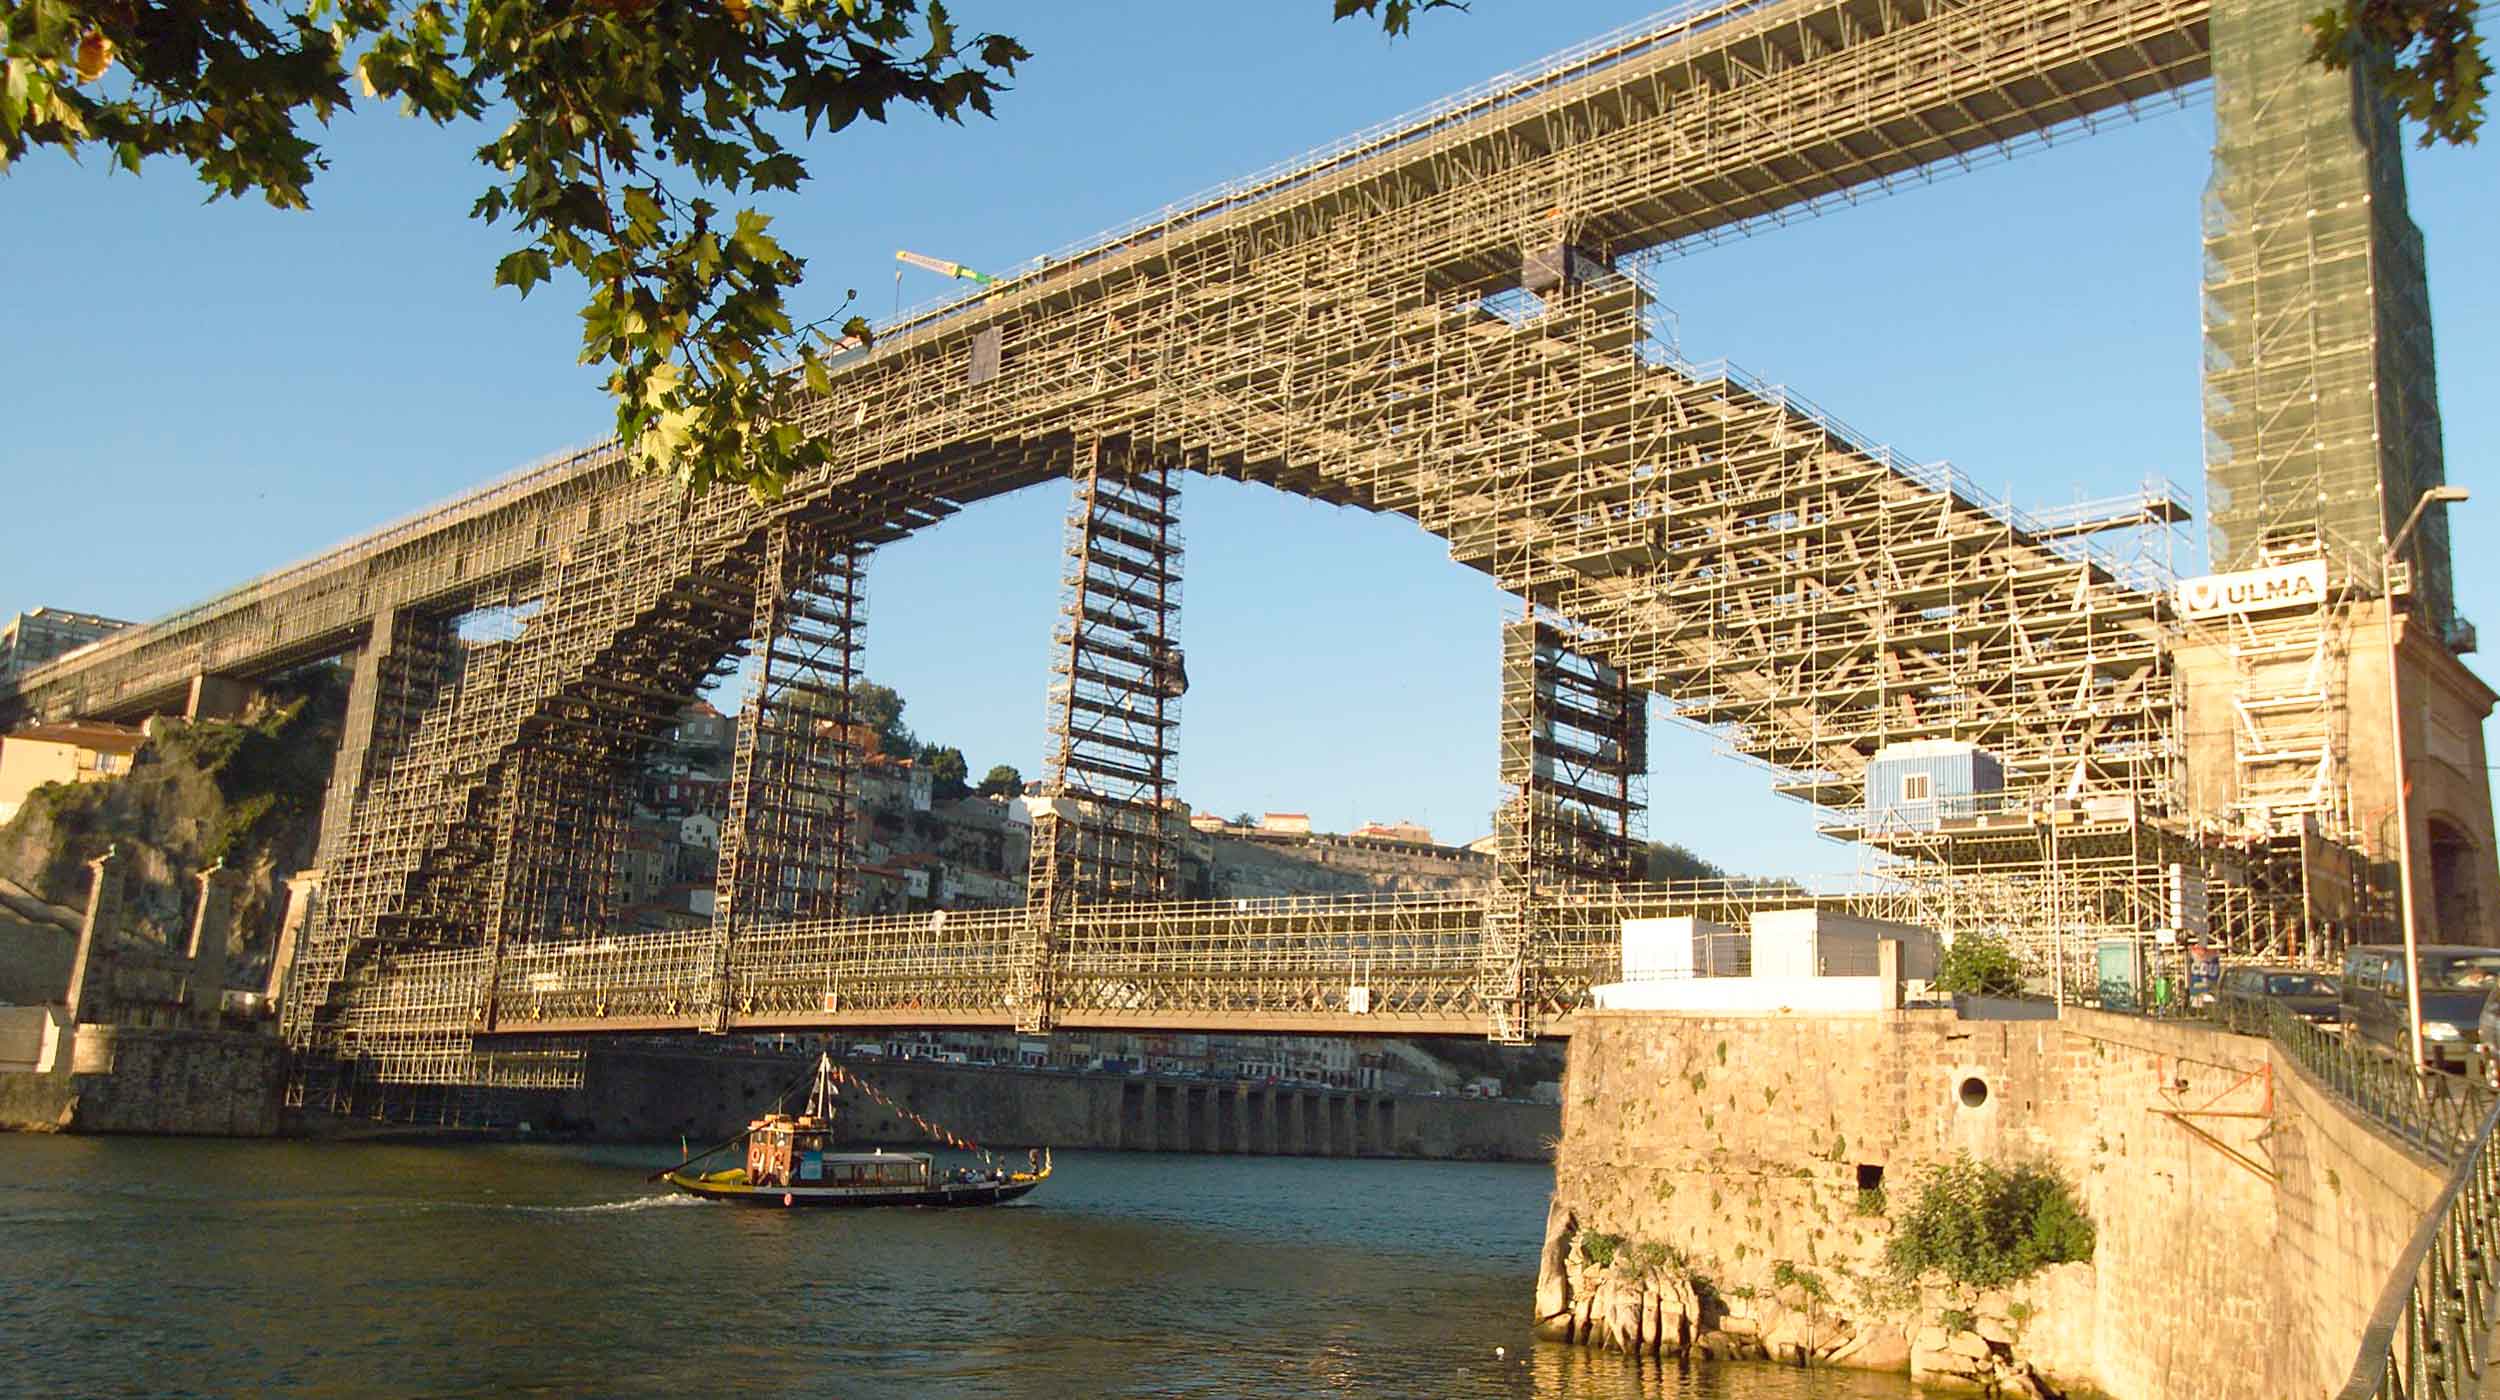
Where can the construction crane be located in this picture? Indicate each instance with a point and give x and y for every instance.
(941, 267)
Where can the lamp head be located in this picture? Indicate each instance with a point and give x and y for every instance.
(2446, 495)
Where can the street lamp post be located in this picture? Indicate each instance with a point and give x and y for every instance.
(2396, 744)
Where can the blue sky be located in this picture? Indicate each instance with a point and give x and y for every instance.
(195, 394)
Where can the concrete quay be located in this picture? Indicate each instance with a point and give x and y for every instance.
(632, 1093)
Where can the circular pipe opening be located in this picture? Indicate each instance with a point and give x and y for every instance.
(1974, 1092)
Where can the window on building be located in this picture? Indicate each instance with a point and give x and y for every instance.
(1918, 787)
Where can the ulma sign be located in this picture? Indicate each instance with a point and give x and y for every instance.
(2254, 590)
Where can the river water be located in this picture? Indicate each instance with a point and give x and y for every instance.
(170, 1267)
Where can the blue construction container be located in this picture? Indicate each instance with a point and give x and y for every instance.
(1914, 786)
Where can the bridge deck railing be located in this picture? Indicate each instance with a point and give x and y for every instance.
(1408, 954)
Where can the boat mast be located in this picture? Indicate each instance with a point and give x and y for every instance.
(820, 1100)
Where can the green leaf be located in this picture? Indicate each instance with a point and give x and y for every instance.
(524, 269)
(641, 208)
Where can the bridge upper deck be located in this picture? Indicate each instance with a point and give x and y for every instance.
(1698, 122)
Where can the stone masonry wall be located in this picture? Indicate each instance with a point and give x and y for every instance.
(130, 1079)
(633, 1095)
(1737, 1146)
(2348, 1203)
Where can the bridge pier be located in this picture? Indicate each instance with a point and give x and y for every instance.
(785, 843)
(219, 697)
(1198, 1119)
(212, 932)
(1574, 762)
(1106, 830)
(105, 875)
(1170, 1134)
(303, 892)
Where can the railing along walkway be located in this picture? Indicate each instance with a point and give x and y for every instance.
(2430, 1337)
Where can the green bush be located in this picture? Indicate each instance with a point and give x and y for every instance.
(1985, 1226)
(1787, 1275)
(1599, 1248)
(1979, 965)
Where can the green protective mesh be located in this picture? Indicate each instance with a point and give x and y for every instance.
(2321, 408)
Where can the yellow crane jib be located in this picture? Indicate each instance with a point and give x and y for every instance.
(941, 267)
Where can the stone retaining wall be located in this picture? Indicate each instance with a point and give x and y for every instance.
(132, 1079)
(1759, 1161)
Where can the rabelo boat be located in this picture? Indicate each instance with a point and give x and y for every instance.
(790, 1162)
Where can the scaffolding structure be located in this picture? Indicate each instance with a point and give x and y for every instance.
(2321, 398)
(1444, 319)
(1104, 828)
(785, 850)
(1115, 690)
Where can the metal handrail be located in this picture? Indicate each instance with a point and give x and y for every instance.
(2427, 1338)
(2436, 1115)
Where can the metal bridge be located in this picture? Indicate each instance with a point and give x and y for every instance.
(1442, 318)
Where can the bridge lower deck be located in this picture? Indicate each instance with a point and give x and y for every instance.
(1394, 965)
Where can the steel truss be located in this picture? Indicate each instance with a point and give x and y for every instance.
(1105, 828)
(785, 852)
(1437, 319)
(1115, 690)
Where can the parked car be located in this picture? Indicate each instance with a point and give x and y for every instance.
(2243, 997)
(2456, 980)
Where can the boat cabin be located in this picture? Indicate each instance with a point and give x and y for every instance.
(783, 1150)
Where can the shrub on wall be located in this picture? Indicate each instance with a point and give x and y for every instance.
(1979, 965)
(1985, 1226)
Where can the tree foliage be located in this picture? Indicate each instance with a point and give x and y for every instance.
(1984, 1226)
(1001, 781)
(1979, 965)
(1675, 862)
(635, 136)
(881, 709)
(2426, 53)
(947, 771)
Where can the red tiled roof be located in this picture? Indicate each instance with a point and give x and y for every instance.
(100, 738)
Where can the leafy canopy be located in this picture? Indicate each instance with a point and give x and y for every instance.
(2426, 53)
(1984, 1226)
(636, 135)
(947, 771)
(1979, 965)
(1002, 781)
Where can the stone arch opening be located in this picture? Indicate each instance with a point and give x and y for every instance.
(2456, 911)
